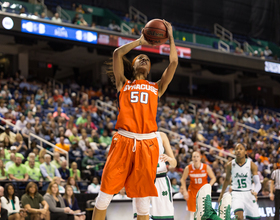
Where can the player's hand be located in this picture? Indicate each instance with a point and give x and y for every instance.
(165, 158)
(186, 196)
(143, 40)
(169, 28)
(255, 194)
(271, 196)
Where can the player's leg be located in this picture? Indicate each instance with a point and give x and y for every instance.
(142, 206)
(102, 202)
(237, 204)
(162, 206)
(251, 207)
(204, 208)
(191, 203)
(225, 207)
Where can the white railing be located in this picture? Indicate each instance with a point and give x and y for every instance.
(222, 46)
(220, 151)
(248, 48)
(274, 112)
(102, 104)
(193, 110)
(255, 130)
(219, 116)
(223, 33)
(141, 17)
(63, 14)
(48, 143)
(237, 43)
(9, 123)
(125, 29)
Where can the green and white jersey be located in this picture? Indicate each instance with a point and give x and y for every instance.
(161, 167)
(241, 176)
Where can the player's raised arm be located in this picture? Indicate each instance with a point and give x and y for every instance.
(169, 156)
(211, 175)
(118, 67)
(169, 72)
(227, 180)
(256, 178)
(183, 183)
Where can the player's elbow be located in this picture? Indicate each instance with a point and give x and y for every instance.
(174, 62)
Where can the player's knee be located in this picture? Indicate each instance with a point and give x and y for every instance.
(142, 205)
(103, 200)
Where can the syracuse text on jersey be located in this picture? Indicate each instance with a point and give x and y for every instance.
(141, 87)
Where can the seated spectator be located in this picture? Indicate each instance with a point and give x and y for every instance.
(82, 22)
(261, 132)
(33, 172)
(59, 113)
(33, 156)
(211, 156)
(3, 212)
(13, 150)
(11, 162)
(26, 131)
(3, 173)
(67, 100)
(7, 133)
(72, 182)
(94, 187)
(21, 146)
(20, 124)
(75, 172)
(90, 162)
(57, 180)
(56, 18)
(56, 203)
(80, 9)
(64, 172)
(48, 170)
(84, 142)
(30, 118)
(31, 202)
(74, 21)
(173, 174)
(3, 109)
(105, 139)
(179, 195)
(57, 96)
(71, 202)
(175, 186)
(62, 146)
(267, 52)
(135, 30)
(121, 195)
(82, 120)
(10, 202)
(126, 18)
(18, 171)
(43, 16)
(76, 154)
(94, 137)
(75, 136)
(220, 182)
(56, 160)
(114, 27)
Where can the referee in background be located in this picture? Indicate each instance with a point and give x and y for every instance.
(275, 180)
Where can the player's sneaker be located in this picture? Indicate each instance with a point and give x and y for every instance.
(203, 203)
(225, 207)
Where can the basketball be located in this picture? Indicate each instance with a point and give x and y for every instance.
(155, 32)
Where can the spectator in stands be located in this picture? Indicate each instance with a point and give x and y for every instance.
(62, 146)
(13, 150)
(75, 172)
(76, 154)
(261, 131)
(80, 9)
(82, 120)
(1, 191)
(71, 202)
(31, 202)
(93, 25)
(105, 139)
(114, 27)
(30, 118)
(94, 187)
(89, 162)
(26, 131)
(21, 146)
(7, 144)
(3, 212)
(135, 30)
(3, 109)
(74, 21)
(18, 171)
(84, 142)
(64, 172)
(267, 52)
(135, 19)
(20, 124)
(75, 136)
(10, 202)
(121, 195)
(67, 100)
(57, 180)
(211, 156)
(7, 133)
(72, 182)
(43, 16)
(175, 186)
(126, 18)
(11, 162)
(56, 203)
(94, 137)
(56, 18)
(3, 174)
(173, 174)
(56, 160)
(82, 22)
(33, 172)
(59, 113)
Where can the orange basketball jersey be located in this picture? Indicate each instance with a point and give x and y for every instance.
(137, 103)
(198, 177)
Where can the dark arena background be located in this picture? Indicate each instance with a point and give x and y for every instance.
(56, 98)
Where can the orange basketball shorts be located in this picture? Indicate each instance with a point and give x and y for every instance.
(134, 170)
(191, 203)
